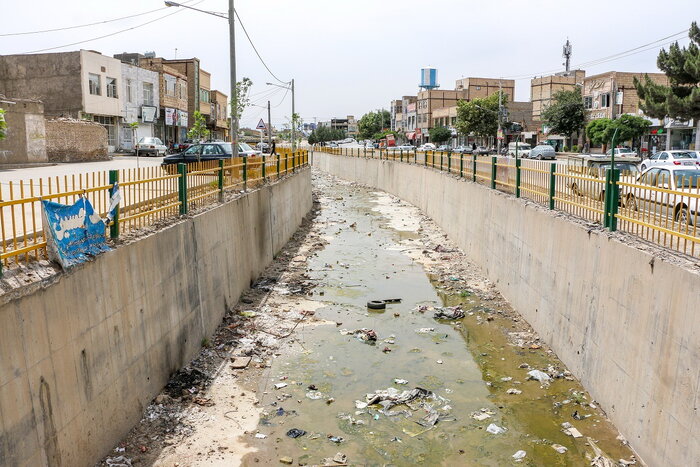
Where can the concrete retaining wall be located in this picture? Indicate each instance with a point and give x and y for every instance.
(624, 319)
(81, 358)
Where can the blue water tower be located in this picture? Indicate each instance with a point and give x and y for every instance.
(428, 78)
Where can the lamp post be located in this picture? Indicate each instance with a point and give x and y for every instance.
(291, 88)
(232, 54)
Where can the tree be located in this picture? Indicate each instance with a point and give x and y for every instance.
(323, 134)
(440, 134)
(240, 99)
(199, 129)
(479, 116)
(3, 125)
(372, 123)
(630, 127)
(566, 115)
(680, 100)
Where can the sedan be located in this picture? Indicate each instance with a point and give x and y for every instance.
(542, 151)
(676, 157)
(443, 147)
(463, 150)
(668, 193)
(209, 152)
(149, 146)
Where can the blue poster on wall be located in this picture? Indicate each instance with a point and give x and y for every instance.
(73, 233)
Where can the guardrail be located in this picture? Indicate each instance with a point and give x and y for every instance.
(662, 211)
(149, 196)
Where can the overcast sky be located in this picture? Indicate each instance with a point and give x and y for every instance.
(350, 57)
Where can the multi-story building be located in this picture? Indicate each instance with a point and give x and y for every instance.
(484, 87)
(611, 94)
(395, 108)
(140, 96)
(543, 89)
(405, 102)
(429, 101)
(410, 120)
(83, 84)
(173, 119)
(348, 125)
(219, 115)
(198, 87)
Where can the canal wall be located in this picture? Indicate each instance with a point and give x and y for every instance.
(622, 314)
(82, 357)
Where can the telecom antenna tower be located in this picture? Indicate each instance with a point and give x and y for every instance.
(567, 55)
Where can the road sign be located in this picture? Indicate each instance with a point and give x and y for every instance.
(261, 125)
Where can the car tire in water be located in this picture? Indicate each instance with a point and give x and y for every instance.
(376, 305)
(682, 216)
(631, 202)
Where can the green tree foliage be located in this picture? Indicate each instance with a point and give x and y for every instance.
(323, 134)
(479, 116)
(598, 131)
(680, 100)
(3, 125)
(372, 123)
(566, 115)
(629, 127)
(199, 129)
(440, 134)
(240, 99)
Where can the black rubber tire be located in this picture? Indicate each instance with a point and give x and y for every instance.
(376, 305)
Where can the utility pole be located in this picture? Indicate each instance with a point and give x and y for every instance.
(269, 126)
(293, 119)
(500, 110)
(234, 91)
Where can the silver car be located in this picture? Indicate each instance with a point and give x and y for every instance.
(682, 157)
(543, 151)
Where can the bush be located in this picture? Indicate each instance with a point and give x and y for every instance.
(574, 148)
(566, 149)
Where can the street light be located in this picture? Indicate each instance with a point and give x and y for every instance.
(291, 88)
(232, 54)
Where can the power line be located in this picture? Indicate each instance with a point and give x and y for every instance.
(256, 50)
(110, 34)
(25, 33)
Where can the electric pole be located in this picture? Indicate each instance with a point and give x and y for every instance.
(269, 126)
(499, 134)
(293, 118)
(234, 91)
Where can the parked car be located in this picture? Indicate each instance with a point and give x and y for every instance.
(332, 144)
(683, 180)
(622, 152)
(405, 147)
(482, 151)
(149, 146)
(208, 152)
(369, 145)
(542, 151)
(427, 147)
(675, 157)
(264, 147)
(595, 166)
(443, 147)
(523, 149)
(462, 150)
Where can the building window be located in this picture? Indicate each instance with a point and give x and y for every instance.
(108, 123)
(129, 96)
(147, 93)
(588, 102)
(478, 88)
(112, 87)
(605, 100)
(94, 82)
(170, 84)
(204, 95)
(182, 91)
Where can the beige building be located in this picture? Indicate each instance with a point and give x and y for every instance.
(83, 84)
(429, 101)
(484, 87)
(198, 87)
(542, 89)
(610, 94)
(219, 115)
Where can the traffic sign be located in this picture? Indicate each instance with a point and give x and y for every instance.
(261, 125)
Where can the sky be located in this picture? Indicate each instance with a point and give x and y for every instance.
(352, 57)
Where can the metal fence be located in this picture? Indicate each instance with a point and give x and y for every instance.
(149, 195)
(662, 211)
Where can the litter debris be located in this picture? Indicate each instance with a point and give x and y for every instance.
(260, 435)
(439, 362)
(559, 448)
(425, 330)
(238, 363)
(386, 350)
(340, 458)
(400, 381)
(495, 429)
(568, 429)
(450, 312)
(540, 376)
(519, 455)
(506, 378)
(336, 439)
(295, 433)
(280, 385)
(376, 305)
(514, 391)
(482, 414)
(364, 334)
(286, 460)
(314, 395)
(119, 461)
(392, 300)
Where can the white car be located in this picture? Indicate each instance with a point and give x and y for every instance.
(405, 147)
(680, 180)
(678, 157)
(625, 152)
(427, 147)
(149, 146)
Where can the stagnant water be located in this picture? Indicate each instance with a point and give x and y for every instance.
(464, 363)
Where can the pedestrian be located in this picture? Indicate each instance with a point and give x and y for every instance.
(473, 146)
(272, 149)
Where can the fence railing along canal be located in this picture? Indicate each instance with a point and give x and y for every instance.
(663, 209)
(149, 196)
